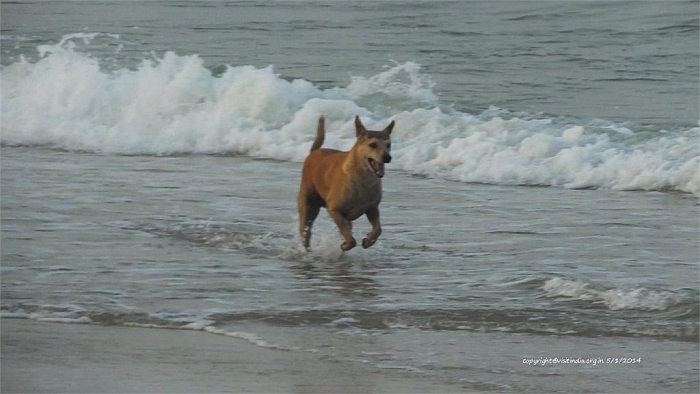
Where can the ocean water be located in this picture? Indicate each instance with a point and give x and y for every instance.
(542, 202)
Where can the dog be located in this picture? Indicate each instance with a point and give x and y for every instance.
(348, 184)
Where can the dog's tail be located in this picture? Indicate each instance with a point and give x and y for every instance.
(320, 134)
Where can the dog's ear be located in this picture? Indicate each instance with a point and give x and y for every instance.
(360, 130)
(387, 129)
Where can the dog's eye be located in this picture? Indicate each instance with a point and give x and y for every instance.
(373, 145)
(388, 146)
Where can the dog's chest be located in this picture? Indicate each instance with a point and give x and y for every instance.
(360, 197)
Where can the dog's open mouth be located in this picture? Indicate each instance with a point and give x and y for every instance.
(377, 167)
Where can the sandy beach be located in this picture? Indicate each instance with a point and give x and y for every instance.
(40, 357)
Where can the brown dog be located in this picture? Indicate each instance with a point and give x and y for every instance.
(348, 184)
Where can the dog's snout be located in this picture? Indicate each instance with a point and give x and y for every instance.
(386, 158)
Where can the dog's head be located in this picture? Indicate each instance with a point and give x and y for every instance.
(374, 146)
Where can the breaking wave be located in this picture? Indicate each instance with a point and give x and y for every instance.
(173, 104)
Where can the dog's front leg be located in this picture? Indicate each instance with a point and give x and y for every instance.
(345, 227)
(373, 216)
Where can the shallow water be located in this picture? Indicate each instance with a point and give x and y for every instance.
(208, 243)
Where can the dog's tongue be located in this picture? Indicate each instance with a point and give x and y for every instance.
(378, 168)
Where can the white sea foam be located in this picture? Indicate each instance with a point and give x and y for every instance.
(613, 299)
(173, 104)
(343, 321)
(253, 339)
(66, 320)
(15, 314)
(48, 317)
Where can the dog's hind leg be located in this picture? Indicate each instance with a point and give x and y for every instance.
(308, 211)
(345, 227)
(373, 216)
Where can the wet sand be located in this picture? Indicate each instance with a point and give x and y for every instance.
(40, 357)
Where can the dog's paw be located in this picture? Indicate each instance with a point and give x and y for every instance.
(366, 242)
(348, 245)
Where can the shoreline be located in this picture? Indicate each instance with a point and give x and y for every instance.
(41, 357)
